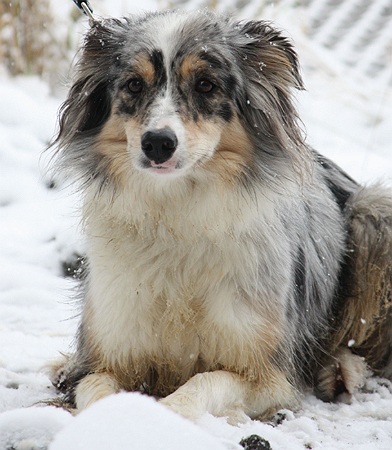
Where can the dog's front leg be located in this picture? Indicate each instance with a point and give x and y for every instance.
(226, 394)
(93, 387)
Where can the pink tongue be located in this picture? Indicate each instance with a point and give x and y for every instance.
(165, 165)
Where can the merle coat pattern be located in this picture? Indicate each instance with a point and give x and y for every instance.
(229, 264)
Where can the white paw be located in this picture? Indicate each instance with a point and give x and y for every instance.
(93, 387)
(189, 407)
(183, 405)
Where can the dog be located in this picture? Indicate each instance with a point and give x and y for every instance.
(229, 265)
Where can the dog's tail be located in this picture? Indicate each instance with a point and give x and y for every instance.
(363, 312)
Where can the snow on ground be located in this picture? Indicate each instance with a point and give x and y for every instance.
(347, 118)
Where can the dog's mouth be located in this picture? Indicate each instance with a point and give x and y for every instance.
(163, 168)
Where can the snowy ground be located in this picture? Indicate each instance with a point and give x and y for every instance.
(346, 117)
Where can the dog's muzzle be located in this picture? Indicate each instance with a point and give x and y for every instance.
(159, 145)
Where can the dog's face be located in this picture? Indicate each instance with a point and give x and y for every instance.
(175, 98)
(175, 93)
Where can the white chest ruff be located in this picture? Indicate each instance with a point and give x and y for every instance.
(162, 301)
(166, 294)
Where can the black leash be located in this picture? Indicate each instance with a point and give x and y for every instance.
(84, 6)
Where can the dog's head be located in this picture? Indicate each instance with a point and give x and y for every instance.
(174, 94)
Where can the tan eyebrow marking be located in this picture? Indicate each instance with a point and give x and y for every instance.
(144, 67)
(191, 64)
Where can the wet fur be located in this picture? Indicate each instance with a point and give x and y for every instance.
(231, 284)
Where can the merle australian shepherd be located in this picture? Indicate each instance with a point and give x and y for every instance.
(229, 264)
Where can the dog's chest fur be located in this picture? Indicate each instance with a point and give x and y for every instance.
(176, 291)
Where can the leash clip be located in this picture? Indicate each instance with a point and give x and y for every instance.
(84, 5)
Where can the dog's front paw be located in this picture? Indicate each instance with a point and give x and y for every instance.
(93, 387)
(189, 407)
(184, 405)
(220, 393)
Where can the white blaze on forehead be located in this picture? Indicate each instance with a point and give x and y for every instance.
(163, 109)
(166, 32)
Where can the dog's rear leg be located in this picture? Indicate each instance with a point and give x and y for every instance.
(94, 387)
(341, 375)
(227, 394)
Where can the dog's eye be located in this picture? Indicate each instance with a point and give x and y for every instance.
(204, 86)
(135, 85)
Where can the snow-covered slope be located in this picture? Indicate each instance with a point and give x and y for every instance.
(347, 112)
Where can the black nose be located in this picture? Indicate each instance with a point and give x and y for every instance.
(159, 145)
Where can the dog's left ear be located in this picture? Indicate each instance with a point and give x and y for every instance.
(269, 54)
(270, 67)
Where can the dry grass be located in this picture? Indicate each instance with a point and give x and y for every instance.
(28, 44)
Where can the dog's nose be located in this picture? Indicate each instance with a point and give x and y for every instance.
(159, 145)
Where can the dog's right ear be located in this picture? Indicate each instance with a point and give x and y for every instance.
(89, 100)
